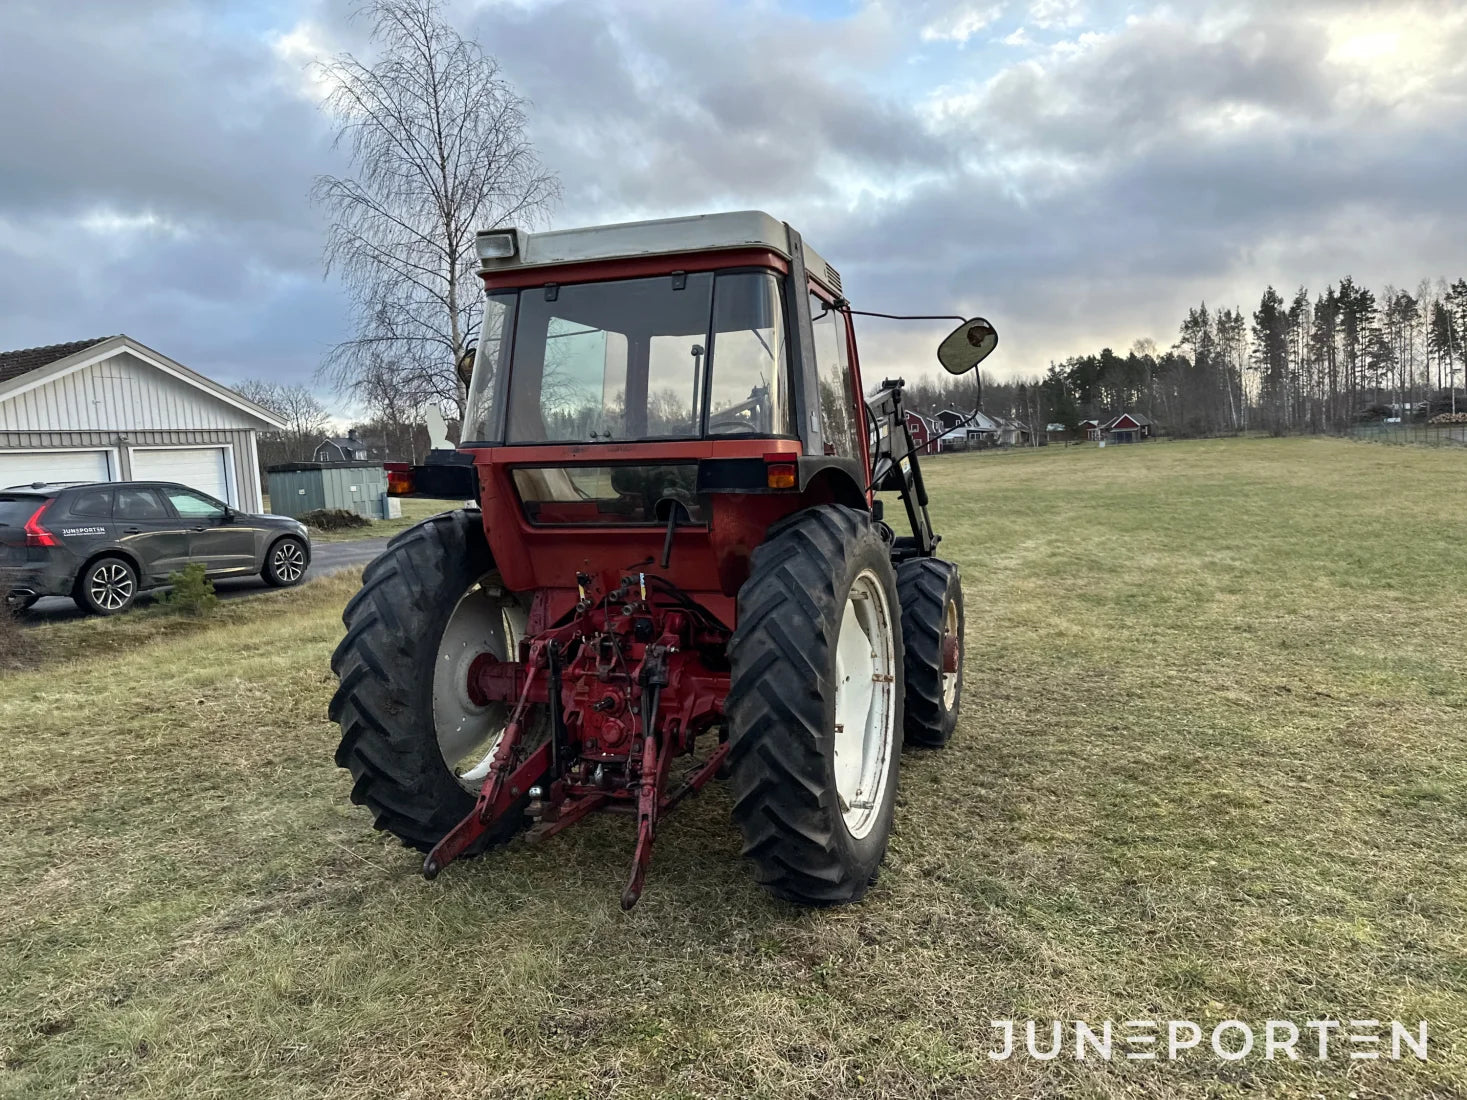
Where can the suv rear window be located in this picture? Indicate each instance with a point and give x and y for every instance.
(92, 503)
(16, 509)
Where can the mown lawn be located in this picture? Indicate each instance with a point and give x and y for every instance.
(1211, 765)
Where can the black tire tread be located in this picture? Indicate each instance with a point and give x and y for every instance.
(922, 588)
(776, 712)
(387, 738)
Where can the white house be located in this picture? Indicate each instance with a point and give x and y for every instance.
(972, 428)
(1013, 433)
(113, 409)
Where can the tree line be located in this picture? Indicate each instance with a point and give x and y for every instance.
(1310, 363)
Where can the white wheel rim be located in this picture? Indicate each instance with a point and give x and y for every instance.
(865, 703)
(290, 561)
(950, 679)
(110, 586)
(486, 620)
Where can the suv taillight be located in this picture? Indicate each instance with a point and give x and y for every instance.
(35, 534)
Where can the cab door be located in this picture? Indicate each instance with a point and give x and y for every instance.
(841, 420)
(145, 525)
(214, 537)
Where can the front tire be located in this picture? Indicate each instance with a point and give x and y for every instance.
(416, 747)
(931, 592)
(108, 586)
(285, 563)
(814, 707)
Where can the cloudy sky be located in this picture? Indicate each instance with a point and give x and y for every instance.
(1077, 170)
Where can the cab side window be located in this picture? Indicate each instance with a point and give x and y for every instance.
(191, 505)
(139, 504)
(837, 398)
(93, 504)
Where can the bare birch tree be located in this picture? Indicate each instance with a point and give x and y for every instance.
(436, 140)
(306, 420)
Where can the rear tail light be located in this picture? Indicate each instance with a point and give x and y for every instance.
(399, 483)
(35, 534)
(781, 475)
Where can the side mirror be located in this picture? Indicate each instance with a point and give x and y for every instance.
(465, 366)
(968, 345)
(229, 515)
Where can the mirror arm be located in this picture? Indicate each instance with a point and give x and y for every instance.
(845, 307)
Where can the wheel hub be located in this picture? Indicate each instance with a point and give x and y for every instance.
(485, 624)
(952, 655)
(865, 703)
(290, 561)
(111, 587)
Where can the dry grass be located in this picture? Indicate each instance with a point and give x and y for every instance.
(14, 653)
(1211, 764)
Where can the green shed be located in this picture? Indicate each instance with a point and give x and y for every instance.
(297, 487)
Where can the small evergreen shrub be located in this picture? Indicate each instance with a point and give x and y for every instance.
(193, 591)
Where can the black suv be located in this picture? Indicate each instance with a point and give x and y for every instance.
(102, 543)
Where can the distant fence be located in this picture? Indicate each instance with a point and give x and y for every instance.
(1420, 435)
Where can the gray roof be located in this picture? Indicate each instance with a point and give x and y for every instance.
(344, 444)
(15, 363)
(1142, 421)
(662, 236)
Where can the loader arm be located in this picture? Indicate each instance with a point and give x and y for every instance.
(895, 469)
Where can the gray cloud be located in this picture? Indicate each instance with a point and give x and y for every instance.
(1082, 188)
(155, 182)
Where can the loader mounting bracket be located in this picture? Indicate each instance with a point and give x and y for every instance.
(895, 468)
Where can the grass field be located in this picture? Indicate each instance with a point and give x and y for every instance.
(1211, 764)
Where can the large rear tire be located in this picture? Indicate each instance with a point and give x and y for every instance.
(416, 746)
(931, 592)
(815, 706)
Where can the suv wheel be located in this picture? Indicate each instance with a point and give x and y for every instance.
(285, 564)
(107, 587)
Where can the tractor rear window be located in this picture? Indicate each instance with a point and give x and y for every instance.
(670, 357)
(609, 494)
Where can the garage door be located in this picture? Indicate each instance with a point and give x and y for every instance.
(26, 467)
(200, 468)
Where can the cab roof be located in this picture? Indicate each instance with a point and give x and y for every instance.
(663, 236)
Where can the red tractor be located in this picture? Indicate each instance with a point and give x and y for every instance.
(678, 567)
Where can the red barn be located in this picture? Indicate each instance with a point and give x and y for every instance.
(1128, 428)
(919, 427)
